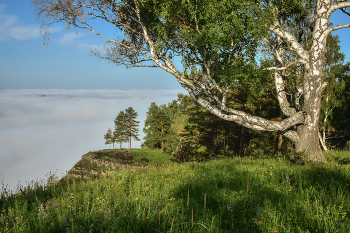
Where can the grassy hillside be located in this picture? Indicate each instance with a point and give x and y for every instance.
(226, 195)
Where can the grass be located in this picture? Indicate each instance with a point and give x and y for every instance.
(226, 195)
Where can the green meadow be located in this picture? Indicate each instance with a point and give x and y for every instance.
(226, 195)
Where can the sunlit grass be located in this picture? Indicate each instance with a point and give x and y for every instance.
(226, 195)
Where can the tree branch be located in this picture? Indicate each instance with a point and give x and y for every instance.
(329, 30)
(295, 46)
(292, 135)
(285, 67)
(338, 5)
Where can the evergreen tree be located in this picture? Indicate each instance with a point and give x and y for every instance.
(157, 125)
(109, 137)
(149, 127)
(131, 125)
(120, 130)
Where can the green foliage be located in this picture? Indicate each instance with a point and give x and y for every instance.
(226, 33)
(109, 137)
(131, 125)
(334, 98)
(120, 128)
(158, 126)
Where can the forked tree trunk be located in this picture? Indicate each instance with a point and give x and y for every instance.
(313, 87)
(306, 121)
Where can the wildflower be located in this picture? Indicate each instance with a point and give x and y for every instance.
(340, 223)
(229, 208)
(287, 177)
(57, 206)
(271, 174)
(290, 190)
(36, 198)
(157, 211)
(340, 207)
(3, 210)
(289, 219)
(344, 215)
(48, 203)
(42, 210)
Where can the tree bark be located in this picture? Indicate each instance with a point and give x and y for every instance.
(313, 86)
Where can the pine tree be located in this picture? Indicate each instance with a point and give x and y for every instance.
(120, 128)
(109, 137)
(131, 125)
(157, 125)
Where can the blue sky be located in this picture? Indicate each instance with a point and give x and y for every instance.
(66, 63)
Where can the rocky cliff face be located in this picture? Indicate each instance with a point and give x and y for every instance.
(97, 163)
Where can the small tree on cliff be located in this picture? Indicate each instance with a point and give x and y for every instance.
(221, 39)
(120, 128)
(132, 125)
(109, 137)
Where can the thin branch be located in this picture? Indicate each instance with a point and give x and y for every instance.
(329, 30)
(283, 68)
(295, 46)
(345, 12)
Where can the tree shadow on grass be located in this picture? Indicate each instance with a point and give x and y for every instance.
(228, 196)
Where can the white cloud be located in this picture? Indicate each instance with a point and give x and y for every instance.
(45, 130)
(6, 22)
(68, 38)
(9, 28)
(25, 33)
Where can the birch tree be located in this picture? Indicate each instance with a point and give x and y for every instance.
(219, 38)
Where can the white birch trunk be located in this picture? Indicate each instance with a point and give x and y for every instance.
(306, 121)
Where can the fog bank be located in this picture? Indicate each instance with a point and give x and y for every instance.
(42, 130)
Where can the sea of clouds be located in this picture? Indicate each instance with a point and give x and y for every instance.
(43, 130)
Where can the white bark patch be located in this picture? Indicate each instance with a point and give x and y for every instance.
(322, 10)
